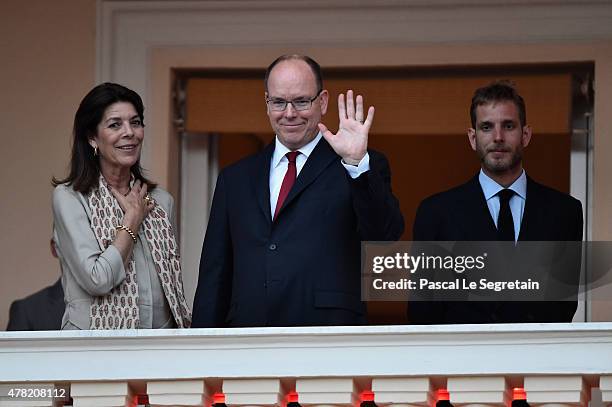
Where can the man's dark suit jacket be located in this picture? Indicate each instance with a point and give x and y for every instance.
(462, 214)
(41, 311)
(303, 268)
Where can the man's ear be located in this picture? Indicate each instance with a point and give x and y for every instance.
(471, 133)
(324, 97)
(526, 136)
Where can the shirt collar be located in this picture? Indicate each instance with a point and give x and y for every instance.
(491, 188)
(280, 149)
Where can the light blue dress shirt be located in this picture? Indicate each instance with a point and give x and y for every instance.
(517, 202)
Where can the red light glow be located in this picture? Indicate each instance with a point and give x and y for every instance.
(367, 396)
(218, 398)
(443, 395)
(519, 393)
(292, 397)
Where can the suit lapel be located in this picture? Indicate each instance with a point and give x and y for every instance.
(475, 213)
(320, 158)
(261, 180)
(531, 213)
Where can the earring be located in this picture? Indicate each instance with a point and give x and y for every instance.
(95, 151)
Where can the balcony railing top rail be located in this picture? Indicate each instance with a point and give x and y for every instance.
(368, 351)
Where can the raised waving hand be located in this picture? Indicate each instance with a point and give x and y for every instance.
(351, 140)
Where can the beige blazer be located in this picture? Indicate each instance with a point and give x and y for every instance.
(89, 271)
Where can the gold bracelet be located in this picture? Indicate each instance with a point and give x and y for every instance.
(123, 227)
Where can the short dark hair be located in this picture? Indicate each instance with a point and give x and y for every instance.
(84, 165)
(314, 67)
(498, 91)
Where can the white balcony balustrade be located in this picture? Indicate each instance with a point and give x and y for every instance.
(403, 366)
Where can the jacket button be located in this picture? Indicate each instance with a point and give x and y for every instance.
(272, 246)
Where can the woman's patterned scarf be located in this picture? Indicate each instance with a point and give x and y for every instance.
(119, 308)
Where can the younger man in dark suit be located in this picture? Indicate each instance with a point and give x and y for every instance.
(499, 203)
(282, 245)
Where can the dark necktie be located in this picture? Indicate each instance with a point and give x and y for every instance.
(288, 181)
(505, 224)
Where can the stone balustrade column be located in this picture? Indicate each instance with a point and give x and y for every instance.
(177, 392)
(478, 391)
(252, 392)
(102, 394)
(556, 391)
(327, 392)
(402, 391)
(605, 385)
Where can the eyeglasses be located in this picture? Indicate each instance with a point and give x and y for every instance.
(279, 105)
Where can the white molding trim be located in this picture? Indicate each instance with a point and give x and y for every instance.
(375, 351)
(125, 24)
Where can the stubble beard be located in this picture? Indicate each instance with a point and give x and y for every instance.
(500, 166)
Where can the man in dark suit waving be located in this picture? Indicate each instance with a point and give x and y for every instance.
(282, 246)
(499, 203)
